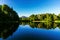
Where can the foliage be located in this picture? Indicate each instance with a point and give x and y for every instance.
(48, 17)
(7, 14)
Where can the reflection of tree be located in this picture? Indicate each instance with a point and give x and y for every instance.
(39, 25)
(43, 25)
(24, 23)
(7, 29)
(58, 25)
(32, 24)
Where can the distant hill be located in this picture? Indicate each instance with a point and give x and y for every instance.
(23, 17)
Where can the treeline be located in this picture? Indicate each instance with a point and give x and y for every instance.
(42, 17)
(7, 14)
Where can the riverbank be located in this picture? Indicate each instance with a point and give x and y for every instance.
(47, 21)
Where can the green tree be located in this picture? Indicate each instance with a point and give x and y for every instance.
(8, 14)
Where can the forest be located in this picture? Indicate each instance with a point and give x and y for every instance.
(46, 17)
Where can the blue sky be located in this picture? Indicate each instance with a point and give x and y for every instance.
(28, 7)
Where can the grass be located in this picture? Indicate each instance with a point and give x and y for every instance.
(57, 21)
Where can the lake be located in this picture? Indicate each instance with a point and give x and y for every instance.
(31, 31)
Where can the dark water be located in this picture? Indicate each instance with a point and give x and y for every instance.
(31, 31)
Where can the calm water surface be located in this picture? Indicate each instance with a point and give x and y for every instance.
(26, 32)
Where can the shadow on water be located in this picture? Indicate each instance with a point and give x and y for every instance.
(7, 29)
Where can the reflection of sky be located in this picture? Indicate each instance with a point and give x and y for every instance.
(56, 29)
(0, 38)
(35, 32)
(28, 7)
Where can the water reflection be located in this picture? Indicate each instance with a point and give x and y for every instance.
(27, 31)
(7, 29)
(42, 25)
